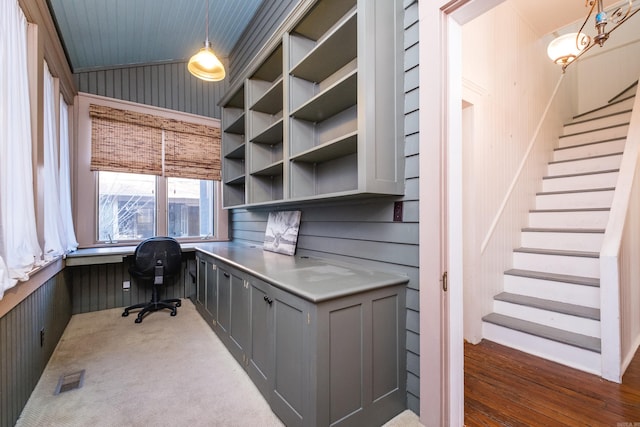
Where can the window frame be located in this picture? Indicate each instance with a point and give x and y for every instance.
(85, 181)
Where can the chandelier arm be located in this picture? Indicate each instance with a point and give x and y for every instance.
(582, 52)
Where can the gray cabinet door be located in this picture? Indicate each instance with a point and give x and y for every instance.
(260, 367)
(291, 334)
(201, 295)
(239, 325)
(224, 300)
(212, 289)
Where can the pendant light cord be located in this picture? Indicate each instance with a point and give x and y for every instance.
(207, 28)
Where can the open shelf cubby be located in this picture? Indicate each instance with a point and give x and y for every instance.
(318, 112)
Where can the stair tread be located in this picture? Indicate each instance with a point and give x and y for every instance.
(563, 230)
(550, 305)
(561, 252)
(588, 190)
(554, 334)
(573, 175)
(618, 113)
(599, 156)
(569, 210)
(554, 277)
(603, 107)
(590, 143)
(594, 130)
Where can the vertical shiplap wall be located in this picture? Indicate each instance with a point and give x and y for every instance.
(22, 359)
(363, 231)
(99, 286)
(509, 81)
(161, 85)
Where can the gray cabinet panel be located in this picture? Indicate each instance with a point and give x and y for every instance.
(289, 388)
(345, 361)
(261, 351)
(224, 300)
(212, 290)
(239, 325)
(335, 362)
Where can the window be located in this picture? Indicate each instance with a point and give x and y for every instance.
(190, 211)
(151, 172)
(126, 206)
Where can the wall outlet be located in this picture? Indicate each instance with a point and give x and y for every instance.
(126, 285)
(397, 211)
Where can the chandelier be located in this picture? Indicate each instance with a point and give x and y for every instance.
(567, 48)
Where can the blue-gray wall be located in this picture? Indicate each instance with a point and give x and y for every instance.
(363, 231)
(22, 358)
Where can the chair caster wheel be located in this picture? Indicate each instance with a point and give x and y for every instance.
(125, 314)
(178, 304)
(138, 320)
(173, 313)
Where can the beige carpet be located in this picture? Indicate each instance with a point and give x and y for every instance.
(166, 371)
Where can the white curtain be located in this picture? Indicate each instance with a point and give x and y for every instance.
(65, 179)
(19, 247)
(54, 233)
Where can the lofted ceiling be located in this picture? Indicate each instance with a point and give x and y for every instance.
(102, 34)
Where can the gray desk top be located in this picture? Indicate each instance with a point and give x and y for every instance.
(311, 278)
(314, 279)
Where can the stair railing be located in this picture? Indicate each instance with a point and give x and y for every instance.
(620, 262)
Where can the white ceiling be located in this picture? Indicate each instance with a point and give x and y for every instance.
(547, 16)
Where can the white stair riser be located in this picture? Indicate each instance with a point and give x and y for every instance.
(590, 242)
(580, 182)
(583, 219)
(596, 135)
(559, 264)
(570, 293)
(578, 325)
(585, 165)
(600, 122)
(581, 151)
(614, 108)
(590, 199)
(568, 355)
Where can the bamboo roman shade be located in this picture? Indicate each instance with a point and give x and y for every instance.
(127, 141)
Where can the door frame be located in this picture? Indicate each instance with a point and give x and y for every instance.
(440, 182)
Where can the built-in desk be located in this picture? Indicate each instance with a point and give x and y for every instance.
(324, 341)
(109, 254)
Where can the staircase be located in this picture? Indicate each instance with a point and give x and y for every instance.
(551, 299)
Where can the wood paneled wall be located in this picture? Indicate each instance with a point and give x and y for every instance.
(22, 357)
(363, 231)
(161, 85)
(99, 287)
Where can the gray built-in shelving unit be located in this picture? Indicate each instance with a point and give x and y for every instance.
(318, 113)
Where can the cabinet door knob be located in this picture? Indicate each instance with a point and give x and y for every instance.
(226, 275)
(268, 300)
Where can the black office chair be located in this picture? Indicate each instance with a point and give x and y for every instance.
(155, 260)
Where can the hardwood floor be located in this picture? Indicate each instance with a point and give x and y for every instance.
(505, 387)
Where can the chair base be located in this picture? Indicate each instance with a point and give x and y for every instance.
(147, 307)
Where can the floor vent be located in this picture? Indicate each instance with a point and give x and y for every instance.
(70, 382)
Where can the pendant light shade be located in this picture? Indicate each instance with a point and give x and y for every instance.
(205, 64)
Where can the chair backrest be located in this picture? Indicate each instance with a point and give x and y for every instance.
(154, 249)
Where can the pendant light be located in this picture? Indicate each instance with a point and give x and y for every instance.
(205, 64)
